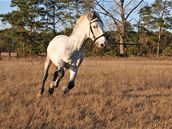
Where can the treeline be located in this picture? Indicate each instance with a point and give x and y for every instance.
(35, 22)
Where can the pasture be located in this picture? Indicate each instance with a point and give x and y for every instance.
(109, 94)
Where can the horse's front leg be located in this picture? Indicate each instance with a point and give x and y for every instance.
(71, 83)
(58, 75)
(73, 72)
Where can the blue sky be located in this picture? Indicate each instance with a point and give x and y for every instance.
(4, 8)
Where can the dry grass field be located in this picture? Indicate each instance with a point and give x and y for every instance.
(109, 94)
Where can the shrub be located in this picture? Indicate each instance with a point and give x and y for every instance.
(167, 51)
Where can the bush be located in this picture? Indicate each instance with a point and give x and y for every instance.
(133, 50)
(167, 51)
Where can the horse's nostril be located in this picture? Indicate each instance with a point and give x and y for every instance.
(102, 45)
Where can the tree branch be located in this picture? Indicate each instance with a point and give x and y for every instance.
(117, 3)
(133, 9)
(128, 4)
(110, 15)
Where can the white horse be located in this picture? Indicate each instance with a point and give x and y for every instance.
(67, 52)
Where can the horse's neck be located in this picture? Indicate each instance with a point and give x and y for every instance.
(77, 41)
(77, 37)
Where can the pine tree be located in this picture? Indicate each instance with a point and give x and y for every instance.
(25, 22)
(157, 17)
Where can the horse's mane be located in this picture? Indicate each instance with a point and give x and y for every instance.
(78, 22)
(83, 17)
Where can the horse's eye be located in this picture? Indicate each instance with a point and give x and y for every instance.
(95, 26)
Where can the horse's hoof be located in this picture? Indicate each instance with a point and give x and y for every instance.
(65, 90)
(50, 91)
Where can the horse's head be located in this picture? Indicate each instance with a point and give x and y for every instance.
(96, 32)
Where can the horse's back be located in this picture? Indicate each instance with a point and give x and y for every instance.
(58, 41)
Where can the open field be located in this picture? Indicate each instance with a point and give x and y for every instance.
(109, 94)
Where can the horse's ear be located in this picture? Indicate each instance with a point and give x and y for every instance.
(90, 15)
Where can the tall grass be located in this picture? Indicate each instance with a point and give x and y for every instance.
(112, 94)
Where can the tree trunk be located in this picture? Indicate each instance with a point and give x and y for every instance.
(9, 54)
(160, 31)
(54, 20)
(0, 54)
(17, 55)
(159, 42)
(122, 39)
(123, 28)
(121, 46)
(76, 8)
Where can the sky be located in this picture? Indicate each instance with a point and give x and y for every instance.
(5, 8)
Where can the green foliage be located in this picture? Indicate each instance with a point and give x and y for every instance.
(144, 50)
(55, 14)
(167, 51)
(157, 15)
(133, 50)
(112, 47)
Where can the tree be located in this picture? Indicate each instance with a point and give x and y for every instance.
(123, 9)
(6, 43)
(53, 15)
(77, 7)
(25, 21)
(157, 17)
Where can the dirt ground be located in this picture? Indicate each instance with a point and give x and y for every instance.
(109, 94)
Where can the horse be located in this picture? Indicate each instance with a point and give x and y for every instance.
(66, 52)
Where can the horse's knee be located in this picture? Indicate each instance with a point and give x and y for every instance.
(61, 73)
(58, 74)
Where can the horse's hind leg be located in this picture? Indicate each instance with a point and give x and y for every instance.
(46, 68)
(58, 75)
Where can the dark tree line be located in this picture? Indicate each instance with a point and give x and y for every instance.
(35, 22)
